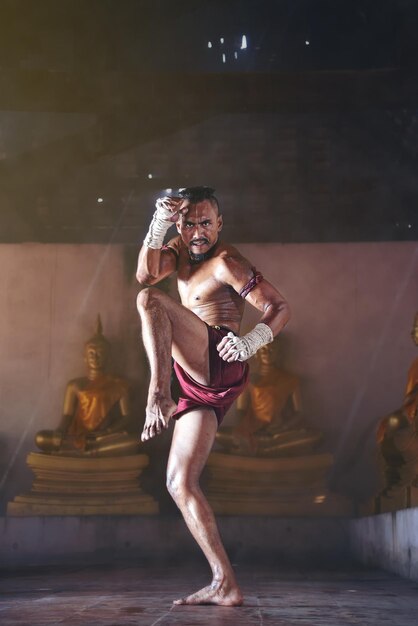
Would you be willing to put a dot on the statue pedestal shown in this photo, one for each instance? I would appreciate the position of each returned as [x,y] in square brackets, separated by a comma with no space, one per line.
[66,485]
[397,499]
[285,487]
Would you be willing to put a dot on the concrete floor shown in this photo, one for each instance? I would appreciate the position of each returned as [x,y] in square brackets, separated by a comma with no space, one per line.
[119,595]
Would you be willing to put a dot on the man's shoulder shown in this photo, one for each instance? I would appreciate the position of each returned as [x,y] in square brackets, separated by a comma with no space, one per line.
[227,254]
[230,263]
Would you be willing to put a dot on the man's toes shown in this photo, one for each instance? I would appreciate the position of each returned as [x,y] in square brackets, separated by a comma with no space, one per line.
[145,434]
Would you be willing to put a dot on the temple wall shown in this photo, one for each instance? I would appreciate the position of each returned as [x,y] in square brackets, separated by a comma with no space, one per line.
[348,340]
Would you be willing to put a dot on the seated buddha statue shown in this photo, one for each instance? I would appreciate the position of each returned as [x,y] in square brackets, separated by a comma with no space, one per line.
[95,420]
[397,434]
[269,413]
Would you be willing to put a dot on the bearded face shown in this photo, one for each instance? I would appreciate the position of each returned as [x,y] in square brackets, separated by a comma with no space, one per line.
[199,229]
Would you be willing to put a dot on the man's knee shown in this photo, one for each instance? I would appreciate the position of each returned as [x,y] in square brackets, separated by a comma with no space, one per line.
[148,298]
[177,486]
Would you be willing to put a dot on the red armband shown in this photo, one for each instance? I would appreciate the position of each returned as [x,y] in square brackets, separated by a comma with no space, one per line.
[255,280]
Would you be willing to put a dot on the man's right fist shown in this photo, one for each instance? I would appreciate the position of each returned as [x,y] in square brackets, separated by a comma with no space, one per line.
[169,208]
[168,211]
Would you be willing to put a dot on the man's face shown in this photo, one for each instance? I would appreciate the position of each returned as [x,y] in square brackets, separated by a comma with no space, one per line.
[199,228]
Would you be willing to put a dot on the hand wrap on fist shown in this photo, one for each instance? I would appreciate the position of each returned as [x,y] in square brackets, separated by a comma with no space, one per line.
[161,222]
[242,348]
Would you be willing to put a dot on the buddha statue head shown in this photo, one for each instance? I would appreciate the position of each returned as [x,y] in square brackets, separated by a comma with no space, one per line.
[266,356]
[414,332]
[97,349]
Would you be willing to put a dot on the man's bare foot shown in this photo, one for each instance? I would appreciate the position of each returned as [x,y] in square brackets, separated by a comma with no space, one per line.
[219,592]
[158,413]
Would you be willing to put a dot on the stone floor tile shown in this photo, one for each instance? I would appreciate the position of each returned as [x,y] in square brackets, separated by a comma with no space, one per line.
[125,596]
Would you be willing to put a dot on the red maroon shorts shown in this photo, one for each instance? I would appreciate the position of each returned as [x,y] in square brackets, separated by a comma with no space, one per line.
[227,381]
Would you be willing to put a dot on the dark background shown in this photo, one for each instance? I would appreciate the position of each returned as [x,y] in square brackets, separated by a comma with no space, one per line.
[309,133]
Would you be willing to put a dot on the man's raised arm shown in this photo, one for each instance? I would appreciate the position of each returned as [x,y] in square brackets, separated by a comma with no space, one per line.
[155,263]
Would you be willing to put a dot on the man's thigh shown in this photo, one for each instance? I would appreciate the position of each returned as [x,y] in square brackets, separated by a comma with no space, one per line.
[190,341]
[193,437]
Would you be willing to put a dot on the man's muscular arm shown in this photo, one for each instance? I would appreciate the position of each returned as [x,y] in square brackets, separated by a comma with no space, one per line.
[155,263]
[236,272]
[269,300]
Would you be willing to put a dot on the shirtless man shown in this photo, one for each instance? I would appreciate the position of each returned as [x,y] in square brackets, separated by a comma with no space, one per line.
[202,336]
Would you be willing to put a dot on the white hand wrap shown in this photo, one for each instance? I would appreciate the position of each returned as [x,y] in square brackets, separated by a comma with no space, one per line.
[246,346]
[160,224]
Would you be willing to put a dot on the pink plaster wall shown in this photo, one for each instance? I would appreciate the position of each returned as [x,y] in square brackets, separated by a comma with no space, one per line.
[348,339]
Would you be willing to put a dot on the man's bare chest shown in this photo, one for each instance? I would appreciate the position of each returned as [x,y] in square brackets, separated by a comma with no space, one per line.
[199,286]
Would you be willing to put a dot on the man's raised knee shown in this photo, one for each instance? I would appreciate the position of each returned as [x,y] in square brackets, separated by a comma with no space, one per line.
[147,298]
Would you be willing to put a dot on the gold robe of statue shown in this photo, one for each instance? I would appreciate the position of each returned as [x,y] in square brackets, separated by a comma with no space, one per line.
[411,392]
[93,402]
[269,396]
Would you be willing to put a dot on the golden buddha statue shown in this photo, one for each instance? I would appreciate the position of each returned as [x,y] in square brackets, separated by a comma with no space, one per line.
[397,434]
[410,403]
[270,415]
[95,420]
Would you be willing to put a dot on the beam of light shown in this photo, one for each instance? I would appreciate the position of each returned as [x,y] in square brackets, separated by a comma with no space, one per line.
[105,254]
[243,42]
[38,404]
[9,466]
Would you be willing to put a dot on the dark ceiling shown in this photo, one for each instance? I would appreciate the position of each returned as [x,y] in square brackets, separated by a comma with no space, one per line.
[317,98]
[163,35]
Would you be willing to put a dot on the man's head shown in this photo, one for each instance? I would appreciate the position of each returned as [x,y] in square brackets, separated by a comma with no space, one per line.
[199,227]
